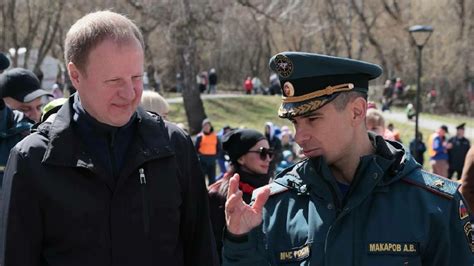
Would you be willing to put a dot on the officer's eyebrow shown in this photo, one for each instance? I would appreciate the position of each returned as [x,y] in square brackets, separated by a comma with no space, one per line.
[310,114]
[313,113]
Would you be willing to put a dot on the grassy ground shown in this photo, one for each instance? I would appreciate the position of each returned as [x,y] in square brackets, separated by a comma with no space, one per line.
[249,112]
[254,111]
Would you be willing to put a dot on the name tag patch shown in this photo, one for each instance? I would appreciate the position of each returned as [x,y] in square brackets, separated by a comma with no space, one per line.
[294,255]
[393,248]
[469,235]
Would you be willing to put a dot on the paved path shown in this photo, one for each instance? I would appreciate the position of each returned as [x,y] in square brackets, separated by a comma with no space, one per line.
[207,96]
[430,123]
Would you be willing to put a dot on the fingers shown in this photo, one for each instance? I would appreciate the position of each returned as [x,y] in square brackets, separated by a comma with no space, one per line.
[233,202]
[261,199]
[226,175]
[234,195]
[233,185]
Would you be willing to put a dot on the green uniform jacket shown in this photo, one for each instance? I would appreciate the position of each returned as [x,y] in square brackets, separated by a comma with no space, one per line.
[393,214]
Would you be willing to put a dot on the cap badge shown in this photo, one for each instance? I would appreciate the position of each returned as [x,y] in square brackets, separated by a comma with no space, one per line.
[288,89]
[284,66]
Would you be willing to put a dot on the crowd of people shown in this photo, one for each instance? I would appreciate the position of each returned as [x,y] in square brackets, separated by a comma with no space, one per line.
[446,155]
[255,86]
[94,179]
[393,89]
[206,81]
[214,158]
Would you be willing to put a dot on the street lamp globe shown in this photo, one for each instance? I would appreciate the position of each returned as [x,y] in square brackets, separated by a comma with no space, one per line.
[420,34]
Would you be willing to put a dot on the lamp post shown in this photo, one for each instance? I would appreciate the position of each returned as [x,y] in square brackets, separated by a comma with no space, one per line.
[419,35]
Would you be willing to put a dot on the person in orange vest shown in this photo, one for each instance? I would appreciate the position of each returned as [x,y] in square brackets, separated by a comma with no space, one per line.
[437,150]
[208,147]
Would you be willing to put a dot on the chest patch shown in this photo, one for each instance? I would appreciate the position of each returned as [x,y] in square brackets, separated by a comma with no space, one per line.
[393,248]
[463,213]
[294,255]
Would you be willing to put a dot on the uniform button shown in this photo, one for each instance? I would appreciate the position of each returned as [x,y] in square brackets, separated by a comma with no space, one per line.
[376,175]
[346,209]
[330,206]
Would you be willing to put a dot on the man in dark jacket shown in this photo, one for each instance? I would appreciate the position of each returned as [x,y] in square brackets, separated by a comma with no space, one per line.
[99,183]
[457,149]
[14,125]
[22,91]
[212,81]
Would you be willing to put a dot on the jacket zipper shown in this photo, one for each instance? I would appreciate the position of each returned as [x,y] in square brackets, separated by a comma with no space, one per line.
[337,205]
[146,216]
[115,178]
[113,160]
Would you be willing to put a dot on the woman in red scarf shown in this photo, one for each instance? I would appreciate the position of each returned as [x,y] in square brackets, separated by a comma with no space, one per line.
[249,155]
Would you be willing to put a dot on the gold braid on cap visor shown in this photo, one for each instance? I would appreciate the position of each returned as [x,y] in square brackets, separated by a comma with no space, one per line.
[329,90]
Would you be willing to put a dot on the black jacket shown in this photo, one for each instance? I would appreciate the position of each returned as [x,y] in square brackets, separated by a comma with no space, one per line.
[62,208]
[14,126]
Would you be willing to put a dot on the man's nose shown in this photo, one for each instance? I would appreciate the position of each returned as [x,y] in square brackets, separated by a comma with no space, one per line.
[128,90]
[301,135]
[34,115]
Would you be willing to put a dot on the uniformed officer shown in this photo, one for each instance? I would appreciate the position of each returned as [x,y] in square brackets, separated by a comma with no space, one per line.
[458,146]
[357,199]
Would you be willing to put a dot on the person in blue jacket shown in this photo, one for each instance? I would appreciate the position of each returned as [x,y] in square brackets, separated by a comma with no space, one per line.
[357,199]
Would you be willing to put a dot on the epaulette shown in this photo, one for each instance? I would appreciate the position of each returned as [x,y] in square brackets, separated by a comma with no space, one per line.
[287,180]
[433,183]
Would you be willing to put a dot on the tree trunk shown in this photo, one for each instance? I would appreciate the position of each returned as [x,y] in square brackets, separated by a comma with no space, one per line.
[187,51]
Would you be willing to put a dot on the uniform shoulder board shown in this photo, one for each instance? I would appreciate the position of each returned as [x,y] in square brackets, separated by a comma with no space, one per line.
[275,188]
[287,180]
[433,183]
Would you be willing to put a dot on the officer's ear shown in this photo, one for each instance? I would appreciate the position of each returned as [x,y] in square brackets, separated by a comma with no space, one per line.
[358,111]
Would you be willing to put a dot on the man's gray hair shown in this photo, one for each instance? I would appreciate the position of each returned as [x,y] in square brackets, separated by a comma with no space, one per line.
[90,30]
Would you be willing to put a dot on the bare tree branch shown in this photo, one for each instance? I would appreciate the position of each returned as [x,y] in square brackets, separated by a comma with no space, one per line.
[247,3]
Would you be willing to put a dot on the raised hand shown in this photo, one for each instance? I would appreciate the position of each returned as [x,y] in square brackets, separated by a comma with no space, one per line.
[241,217]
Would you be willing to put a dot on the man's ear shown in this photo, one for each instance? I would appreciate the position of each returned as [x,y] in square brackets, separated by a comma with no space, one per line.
[359,110]
[74,74]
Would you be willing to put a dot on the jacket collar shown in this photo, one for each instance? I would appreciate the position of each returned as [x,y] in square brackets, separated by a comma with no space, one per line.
[151,141]
[385,166]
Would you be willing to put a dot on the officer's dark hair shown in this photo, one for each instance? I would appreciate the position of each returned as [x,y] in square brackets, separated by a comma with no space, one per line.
[343,98]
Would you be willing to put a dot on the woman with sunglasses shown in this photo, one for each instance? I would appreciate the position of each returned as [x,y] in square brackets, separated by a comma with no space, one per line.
[249,155]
